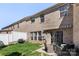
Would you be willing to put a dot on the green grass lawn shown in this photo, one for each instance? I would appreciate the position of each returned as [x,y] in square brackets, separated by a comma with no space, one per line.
[21,49]
[25,49]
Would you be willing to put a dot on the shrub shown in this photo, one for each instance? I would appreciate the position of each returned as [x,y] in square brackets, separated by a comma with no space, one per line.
[2,45]
[21,41]
[77,51]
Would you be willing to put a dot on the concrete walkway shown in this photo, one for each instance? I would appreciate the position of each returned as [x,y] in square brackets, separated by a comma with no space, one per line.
[42,51]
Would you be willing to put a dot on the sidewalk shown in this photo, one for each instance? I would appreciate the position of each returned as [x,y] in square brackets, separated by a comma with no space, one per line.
[42,50]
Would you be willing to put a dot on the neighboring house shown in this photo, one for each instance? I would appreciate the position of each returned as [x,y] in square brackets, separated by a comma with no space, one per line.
[58,24]
[5,31]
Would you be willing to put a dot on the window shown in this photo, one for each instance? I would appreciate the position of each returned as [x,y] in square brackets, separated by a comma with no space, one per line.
[13,27]
[31,35]
[35,35]
[7,32]
[40,36]
[64,10]
[32,20]
[42,18]
[18,26]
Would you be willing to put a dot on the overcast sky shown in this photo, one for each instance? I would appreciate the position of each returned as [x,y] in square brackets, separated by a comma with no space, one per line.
[10,13]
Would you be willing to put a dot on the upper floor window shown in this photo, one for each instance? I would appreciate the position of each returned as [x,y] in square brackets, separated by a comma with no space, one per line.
[42,18]
[7,32]
[64,10]
[32,20]
[13,27]
[18,26]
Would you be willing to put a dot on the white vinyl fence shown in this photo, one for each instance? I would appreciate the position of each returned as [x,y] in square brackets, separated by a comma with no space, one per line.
[14,36]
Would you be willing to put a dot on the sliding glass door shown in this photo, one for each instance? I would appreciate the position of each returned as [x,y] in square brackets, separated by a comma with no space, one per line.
[59,37]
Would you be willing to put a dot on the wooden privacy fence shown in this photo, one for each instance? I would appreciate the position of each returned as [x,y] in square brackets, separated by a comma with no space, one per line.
[12,37]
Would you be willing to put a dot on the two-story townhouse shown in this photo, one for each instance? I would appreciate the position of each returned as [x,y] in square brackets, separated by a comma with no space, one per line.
[57,25]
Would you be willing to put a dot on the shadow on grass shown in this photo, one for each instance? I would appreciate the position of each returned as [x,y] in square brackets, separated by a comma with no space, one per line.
[14,54]
[2,45]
